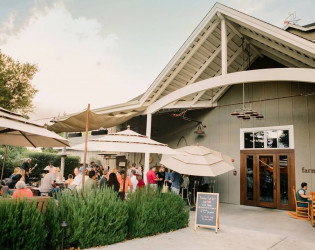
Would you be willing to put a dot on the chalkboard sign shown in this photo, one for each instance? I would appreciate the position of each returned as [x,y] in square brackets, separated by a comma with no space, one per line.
[207,210]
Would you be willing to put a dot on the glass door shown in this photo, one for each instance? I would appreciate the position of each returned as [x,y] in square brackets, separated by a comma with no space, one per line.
[283,191]
[267,169]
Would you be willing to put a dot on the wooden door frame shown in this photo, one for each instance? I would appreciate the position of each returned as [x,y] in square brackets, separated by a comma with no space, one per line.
[276,153]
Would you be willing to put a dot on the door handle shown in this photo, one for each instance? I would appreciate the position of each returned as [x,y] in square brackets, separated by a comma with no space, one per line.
[274,184]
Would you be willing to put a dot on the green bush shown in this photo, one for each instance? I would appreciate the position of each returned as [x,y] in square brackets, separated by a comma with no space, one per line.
[22,226]
[153,212]
[42,160]
[98,218]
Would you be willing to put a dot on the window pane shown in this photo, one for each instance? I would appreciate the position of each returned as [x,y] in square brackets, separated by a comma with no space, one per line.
[283,139]
[259,139]
[248,140]
[283,165]
[272,138]
[266,178]
[250,177]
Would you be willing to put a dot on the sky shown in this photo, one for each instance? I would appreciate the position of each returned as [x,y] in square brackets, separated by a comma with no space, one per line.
[106,52]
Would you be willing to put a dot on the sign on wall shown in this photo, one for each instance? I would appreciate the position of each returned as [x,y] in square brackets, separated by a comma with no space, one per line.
[207,210]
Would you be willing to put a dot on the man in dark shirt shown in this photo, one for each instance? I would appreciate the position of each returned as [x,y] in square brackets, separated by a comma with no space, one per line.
[27,167]
[161,176]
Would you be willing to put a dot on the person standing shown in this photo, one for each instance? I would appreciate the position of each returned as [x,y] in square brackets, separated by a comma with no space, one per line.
[26,166]
[128,182]
[91,183]
[177,180]
[151,177]
[113,182]
[49,166]
[133,179]
[161,176]
[140,183]
[103,179]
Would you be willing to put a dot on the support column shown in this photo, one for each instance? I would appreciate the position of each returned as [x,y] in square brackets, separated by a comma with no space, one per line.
[63,157]
[223,45]
[147,155]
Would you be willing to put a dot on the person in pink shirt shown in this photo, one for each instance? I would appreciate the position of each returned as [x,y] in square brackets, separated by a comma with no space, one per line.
[151,177]
[21,191]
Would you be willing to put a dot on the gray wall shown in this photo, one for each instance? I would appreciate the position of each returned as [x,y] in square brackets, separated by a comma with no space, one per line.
[223,130]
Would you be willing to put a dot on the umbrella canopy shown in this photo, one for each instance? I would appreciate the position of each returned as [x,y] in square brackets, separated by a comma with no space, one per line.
[77,122]
[17,131]
[126,141]
[198,161]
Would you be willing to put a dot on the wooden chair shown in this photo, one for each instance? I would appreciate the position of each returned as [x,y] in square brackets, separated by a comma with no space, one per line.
[41,202]
[301,212]
[312,194]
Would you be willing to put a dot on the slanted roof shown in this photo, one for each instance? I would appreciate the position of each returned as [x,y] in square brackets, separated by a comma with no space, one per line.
[200,57]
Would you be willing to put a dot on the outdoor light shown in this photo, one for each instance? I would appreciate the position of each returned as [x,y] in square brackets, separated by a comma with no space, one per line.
[235,113]
[246,117]
[240,116]
[199,130]
[63,226]
[249,112]
[260,116]
[254,114]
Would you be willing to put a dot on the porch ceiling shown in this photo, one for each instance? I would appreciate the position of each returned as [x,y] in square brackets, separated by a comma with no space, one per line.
[201,58]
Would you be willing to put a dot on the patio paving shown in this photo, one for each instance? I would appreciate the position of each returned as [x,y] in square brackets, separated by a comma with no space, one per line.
[241,227]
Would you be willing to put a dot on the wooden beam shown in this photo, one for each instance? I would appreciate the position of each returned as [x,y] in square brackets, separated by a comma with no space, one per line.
[231,26]
[284,50]
[185,60]
[260,75]
[280,55]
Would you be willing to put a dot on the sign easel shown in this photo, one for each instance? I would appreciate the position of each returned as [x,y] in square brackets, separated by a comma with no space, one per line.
[207,210]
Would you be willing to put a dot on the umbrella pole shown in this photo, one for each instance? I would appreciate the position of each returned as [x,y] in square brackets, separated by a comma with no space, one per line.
[4,158]
[85,147]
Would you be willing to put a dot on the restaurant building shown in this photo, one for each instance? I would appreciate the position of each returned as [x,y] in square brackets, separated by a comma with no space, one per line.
[245,88]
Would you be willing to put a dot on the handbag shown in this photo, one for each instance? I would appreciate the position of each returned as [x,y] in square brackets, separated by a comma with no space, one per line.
[165,188]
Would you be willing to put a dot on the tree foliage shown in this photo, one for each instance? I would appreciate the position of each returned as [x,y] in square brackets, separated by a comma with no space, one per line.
[16,90]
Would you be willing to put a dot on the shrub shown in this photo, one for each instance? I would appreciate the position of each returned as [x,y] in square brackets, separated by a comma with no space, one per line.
[42,160]
[153,212]
[96,219]
[22,226]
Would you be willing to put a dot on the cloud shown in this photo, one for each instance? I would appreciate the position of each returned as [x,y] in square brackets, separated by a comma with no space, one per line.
[77,63]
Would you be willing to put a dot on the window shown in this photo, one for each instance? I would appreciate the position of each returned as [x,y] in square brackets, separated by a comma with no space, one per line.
[267,137]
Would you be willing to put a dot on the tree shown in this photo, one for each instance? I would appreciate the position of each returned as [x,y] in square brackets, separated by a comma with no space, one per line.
[16,90]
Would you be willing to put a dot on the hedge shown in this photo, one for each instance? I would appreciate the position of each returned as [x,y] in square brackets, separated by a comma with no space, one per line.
[43,159]
[22,226]
[97,218]
[153,212]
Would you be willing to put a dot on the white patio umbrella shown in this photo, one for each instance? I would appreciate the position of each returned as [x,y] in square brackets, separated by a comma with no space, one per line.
[198,161]
[17,131]
[127,141]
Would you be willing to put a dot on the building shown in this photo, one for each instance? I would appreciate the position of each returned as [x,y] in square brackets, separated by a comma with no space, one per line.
[233,62]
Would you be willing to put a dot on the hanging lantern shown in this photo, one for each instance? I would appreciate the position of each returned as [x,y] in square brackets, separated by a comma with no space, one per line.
[246,117]
[235,113]
[249,112]
[260,116]
[199,130]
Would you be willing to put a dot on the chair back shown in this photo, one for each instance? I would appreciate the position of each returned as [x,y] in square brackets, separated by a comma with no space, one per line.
[294,195]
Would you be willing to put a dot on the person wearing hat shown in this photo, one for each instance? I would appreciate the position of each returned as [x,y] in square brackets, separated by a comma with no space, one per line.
[50,166]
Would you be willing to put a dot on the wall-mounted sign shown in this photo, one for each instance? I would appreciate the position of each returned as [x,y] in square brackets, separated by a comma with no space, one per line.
[207,210]
[308,171]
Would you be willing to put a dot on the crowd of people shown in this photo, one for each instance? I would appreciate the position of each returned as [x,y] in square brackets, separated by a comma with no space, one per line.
[96,176]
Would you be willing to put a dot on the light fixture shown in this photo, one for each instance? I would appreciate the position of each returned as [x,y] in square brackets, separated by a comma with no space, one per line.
[199,130]
[260,116]
[241,116]
[235,113]
[246,117]
[254,114]
[249,112]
